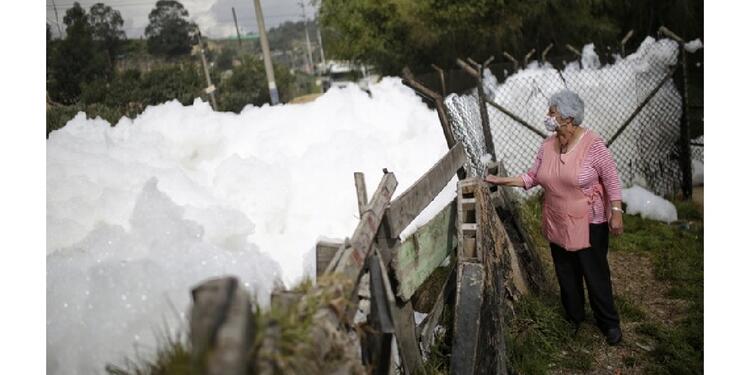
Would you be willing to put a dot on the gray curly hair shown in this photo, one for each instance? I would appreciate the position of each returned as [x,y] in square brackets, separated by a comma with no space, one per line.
[569,104]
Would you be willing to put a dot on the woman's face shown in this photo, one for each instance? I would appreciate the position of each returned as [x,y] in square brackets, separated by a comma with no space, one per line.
[566,129]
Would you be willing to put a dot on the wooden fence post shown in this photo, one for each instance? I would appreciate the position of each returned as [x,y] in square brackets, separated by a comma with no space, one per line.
[221,327]
[466,318]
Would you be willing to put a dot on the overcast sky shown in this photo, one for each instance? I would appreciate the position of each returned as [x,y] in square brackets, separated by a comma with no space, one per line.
[214,17]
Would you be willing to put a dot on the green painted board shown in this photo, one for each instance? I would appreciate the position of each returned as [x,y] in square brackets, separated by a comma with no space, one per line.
[417,256]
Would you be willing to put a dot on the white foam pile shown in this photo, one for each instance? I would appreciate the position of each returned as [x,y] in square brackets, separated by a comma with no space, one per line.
[693,45]
[648,205]
[697,166]
[697,161]
[138,213]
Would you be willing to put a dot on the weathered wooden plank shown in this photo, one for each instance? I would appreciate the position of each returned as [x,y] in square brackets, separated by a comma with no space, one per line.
[466,318]
[405,327]
[497,253]
[337,257]
[426,329]
[406,336]
[379,343]
[499,244]
[469,227]
[359,183]
[507,209]
[416,257]
[211,301]
[380,315]
[234,338]
[466,220]
[325,251]
[377,353]
[353,258]
[408,205]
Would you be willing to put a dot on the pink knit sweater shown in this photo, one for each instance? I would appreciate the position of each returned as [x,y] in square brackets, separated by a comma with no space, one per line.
[597,165]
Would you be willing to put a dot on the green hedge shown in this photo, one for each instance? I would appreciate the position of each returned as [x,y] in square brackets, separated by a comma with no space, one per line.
[128,93]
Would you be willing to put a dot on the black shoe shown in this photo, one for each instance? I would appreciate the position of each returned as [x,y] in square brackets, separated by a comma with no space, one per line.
[576,328]
[614,336]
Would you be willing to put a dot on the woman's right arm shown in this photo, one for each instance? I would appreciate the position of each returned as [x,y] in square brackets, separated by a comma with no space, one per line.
[507,181]
[527,180]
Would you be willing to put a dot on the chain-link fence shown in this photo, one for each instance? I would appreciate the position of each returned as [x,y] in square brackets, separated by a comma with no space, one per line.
[466,124]
[696,149]
[634,104]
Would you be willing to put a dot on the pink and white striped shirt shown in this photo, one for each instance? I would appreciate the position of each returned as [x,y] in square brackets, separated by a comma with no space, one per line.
[597,165]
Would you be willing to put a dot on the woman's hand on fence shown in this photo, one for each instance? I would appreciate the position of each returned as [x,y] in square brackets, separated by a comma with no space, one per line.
[615,223]
[505,181]
[495,180]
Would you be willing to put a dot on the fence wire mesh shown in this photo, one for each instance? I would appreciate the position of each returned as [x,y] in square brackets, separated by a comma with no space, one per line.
[696,151]
[466,124]
[646,151]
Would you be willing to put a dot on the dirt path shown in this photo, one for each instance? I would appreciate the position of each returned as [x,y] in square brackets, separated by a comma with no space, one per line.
[698,196]
[633,281]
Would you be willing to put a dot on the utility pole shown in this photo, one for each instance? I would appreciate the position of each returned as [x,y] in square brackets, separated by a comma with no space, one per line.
[59,31]
[307,38]
[320,43]
[266,54]
[210,88]
[234,15]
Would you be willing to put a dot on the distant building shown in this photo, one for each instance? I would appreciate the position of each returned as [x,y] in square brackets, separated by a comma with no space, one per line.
[345,73]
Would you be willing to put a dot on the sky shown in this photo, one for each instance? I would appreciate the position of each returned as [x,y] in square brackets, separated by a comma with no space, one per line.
[214,17]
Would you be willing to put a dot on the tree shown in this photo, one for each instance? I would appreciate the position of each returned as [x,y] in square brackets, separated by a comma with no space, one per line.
[76,59]
[169,32]
[225,58]
[106,26]
[393,33]
[248,85]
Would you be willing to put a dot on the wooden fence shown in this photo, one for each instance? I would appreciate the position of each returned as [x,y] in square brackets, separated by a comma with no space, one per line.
[491,263]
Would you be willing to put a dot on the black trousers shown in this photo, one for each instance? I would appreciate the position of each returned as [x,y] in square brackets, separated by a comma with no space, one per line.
[589,265]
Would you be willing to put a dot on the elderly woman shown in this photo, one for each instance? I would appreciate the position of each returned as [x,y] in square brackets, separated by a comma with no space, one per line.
[582,206]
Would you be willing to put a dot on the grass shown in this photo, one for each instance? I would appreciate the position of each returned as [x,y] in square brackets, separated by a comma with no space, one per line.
[438,359]
[677,253]
[539,338]
[172,358]
[295,349]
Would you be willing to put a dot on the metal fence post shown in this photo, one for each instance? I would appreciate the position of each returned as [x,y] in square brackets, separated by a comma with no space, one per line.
[577,53]
[488,141]
[546,50]
[409,80]
[511,58]
[685,157]
[477,71]
[441,75]
[623,41]
[527,57]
